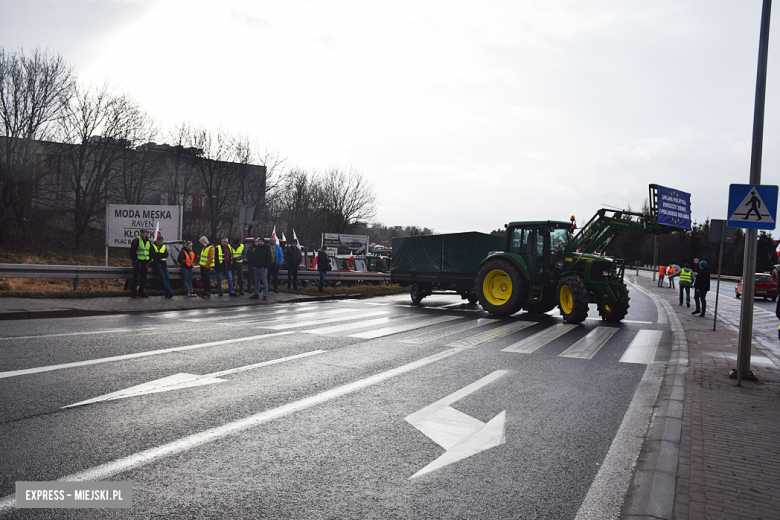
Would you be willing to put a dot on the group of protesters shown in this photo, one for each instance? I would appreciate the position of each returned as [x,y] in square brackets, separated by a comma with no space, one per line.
[700,282]
[263,258]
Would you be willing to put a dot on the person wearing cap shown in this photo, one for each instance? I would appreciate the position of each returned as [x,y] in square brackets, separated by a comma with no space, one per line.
[259,258]
[701,287]
[293,258]
[159,256]
[206,261]
[139,255]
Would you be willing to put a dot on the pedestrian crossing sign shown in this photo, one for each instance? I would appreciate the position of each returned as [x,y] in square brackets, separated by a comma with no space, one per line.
[752,206]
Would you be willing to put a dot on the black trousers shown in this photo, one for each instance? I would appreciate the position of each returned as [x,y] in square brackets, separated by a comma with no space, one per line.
[292,276]
[238,278]
[140,270]
[204,275]
[273,277]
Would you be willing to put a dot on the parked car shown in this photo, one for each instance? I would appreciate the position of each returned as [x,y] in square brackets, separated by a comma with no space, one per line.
[765,287]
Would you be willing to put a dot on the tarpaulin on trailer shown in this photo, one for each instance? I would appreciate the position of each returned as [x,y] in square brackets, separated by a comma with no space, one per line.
[451,253]
[420,253]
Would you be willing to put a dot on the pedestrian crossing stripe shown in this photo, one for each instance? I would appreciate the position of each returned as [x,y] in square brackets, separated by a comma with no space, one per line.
[752,206]
[540,339]
[590,344]
[491,335]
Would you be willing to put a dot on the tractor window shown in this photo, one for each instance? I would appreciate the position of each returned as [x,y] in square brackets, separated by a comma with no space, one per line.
[517,240]
[559,238]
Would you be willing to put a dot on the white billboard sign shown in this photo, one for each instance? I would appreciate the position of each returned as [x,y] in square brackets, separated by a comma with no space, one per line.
[337,243]
[125,221]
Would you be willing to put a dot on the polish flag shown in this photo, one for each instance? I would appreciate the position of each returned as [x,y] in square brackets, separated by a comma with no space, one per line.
[295,237]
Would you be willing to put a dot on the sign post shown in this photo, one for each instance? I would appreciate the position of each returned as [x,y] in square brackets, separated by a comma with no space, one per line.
[751,237]
[719,233]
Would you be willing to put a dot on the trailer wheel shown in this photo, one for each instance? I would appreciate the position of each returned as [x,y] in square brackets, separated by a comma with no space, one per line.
[573,299]
[472,298]
[416,293]
[501,288]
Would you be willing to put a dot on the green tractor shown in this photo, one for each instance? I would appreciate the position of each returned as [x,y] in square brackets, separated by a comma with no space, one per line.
[543,265]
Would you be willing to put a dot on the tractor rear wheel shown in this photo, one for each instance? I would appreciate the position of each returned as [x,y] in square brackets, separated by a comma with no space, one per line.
[541,307]
[572,299]
[501,288]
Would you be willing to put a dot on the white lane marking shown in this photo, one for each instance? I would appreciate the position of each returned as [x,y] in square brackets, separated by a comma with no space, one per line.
[264,316]
[606,494]
[387,331]
[107,331]
[433,335]
[540,339]
[26,371]
[460,434]
[189,442]
[350,326]
[642,348]
[624,321]
[287,324]
[491,335]
[183,380]
[587,346]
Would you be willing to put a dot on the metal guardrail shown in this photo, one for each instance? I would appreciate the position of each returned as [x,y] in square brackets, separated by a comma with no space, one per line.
[714,276]
[97,272]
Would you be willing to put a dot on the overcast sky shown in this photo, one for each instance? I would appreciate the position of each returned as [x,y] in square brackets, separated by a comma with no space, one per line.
[465,115]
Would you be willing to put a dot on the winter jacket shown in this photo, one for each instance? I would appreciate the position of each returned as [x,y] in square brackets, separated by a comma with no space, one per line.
[222,258]
[685,273]
[702,283]
[279,254]
[182,259]
[293,256]
[323,262]
[159,256]
[259,256]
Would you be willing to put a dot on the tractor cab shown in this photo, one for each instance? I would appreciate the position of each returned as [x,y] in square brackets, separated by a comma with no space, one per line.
[543,247]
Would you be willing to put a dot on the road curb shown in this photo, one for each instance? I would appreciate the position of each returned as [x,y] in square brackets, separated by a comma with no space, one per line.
[653,488]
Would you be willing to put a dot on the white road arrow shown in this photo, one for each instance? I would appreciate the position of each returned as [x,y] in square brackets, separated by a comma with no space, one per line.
[177,381]
[460,434]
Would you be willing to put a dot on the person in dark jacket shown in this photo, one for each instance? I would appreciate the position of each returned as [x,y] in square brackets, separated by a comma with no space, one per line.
[701,286]
[259,258]
[292,256]
[160,265]
[323,266]
[139,255]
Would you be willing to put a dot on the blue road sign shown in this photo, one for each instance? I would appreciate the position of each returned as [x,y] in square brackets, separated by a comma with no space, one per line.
[752,206]
[674,207]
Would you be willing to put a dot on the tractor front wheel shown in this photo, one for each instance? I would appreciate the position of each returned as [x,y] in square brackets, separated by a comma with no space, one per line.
[572,299]
[501,288]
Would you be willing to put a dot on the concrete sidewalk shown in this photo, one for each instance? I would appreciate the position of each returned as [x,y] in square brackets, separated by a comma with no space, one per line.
[26,308]
[711,451]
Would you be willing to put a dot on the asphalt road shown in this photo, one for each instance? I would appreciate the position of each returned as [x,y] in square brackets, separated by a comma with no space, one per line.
[358,409]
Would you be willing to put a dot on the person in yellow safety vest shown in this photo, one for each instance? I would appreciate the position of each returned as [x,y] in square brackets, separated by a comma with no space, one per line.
[686,282]
[237,266]
[222,265]
[670,271]
[206,261]
[159,256]
[139,255]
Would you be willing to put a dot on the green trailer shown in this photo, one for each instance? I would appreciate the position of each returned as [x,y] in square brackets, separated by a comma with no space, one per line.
[448,262]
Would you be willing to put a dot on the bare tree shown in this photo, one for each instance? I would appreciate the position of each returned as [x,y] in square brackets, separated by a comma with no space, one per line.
[217,178]
[347,201]
[94,136]
[34,89]
[297,204]
[137,179]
